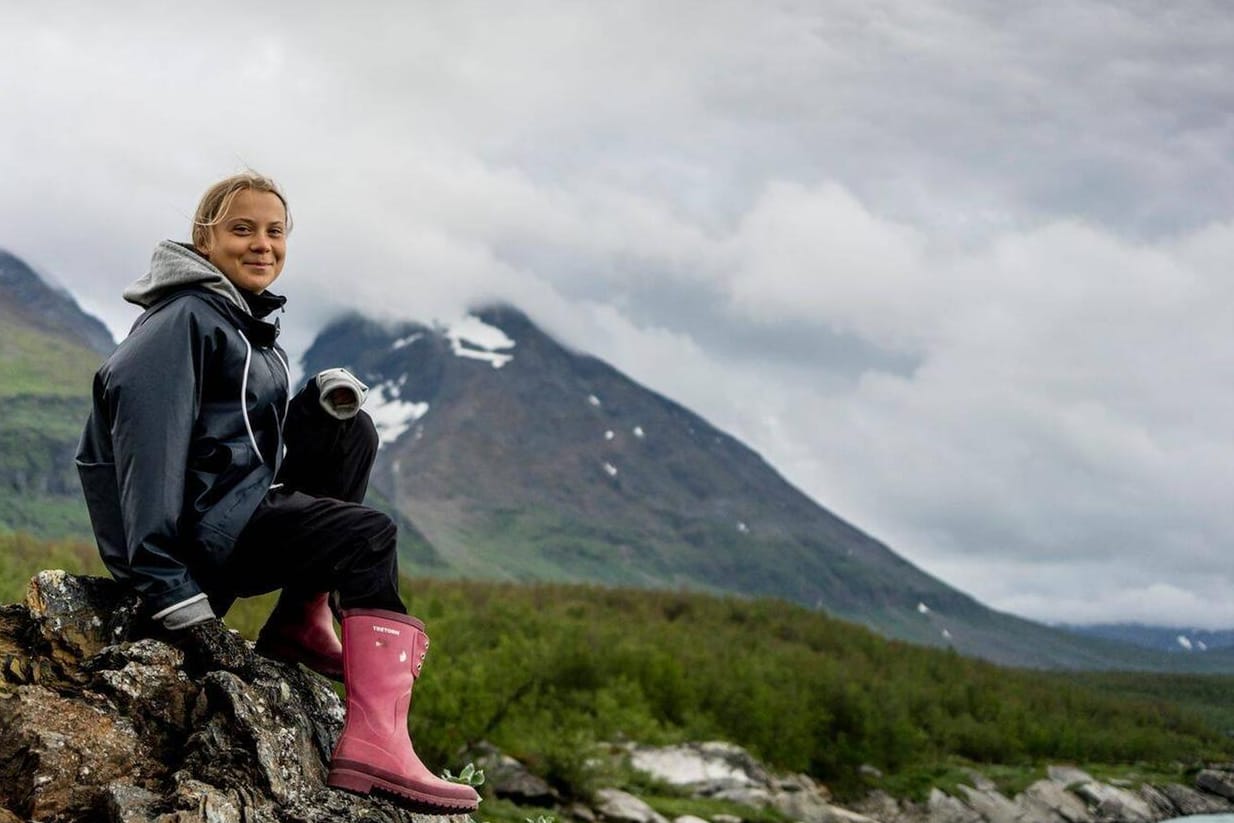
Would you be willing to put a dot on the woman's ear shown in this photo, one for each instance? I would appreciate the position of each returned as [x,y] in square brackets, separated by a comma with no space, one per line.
[203,248]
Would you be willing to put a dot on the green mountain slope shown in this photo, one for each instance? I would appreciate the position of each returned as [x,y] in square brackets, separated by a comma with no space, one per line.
[49,351]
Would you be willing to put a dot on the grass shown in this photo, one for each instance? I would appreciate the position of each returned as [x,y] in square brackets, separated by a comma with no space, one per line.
[36,363]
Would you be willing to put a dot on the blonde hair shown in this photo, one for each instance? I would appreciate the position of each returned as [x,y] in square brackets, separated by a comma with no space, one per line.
[218,198]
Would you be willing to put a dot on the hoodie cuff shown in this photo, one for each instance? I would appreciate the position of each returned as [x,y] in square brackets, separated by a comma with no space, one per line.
[340,393]
[186,613]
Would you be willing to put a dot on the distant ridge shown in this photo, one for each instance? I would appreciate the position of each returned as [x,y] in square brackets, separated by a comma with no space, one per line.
[32,300]
[1163,638]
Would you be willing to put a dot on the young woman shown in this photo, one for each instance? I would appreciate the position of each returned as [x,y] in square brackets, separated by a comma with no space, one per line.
[206,480]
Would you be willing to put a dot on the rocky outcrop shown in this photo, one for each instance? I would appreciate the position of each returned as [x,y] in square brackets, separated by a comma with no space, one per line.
[1068,795]
[100,725]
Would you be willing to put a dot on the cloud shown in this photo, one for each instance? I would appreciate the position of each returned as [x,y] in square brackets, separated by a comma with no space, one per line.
[956,269]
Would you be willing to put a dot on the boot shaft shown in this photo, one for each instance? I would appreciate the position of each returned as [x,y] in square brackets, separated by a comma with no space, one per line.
[383,653]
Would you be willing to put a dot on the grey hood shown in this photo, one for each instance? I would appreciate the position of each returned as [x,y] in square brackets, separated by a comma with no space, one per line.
[175,266]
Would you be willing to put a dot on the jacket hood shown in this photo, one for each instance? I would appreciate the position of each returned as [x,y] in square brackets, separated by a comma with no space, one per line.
[176,266]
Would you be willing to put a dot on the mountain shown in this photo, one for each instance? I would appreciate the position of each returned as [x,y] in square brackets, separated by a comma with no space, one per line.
[49,350]
[520,459]
[1163,638]
[49,310]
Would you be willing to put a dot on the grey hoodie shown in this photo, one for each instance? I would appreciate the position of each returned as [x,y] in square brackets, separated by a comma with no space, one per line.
[177,265]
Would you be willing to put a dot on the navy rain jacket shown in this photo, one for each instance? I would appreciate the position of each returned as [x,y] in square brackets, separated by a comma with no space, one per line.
[186,431]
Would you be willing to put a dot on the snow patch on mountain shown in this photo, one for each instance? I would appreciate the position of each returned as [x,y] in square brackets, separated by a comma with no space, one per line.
[471,337]
[391,414]
[610,469]
[923,608]
[639,433]
[406,341]
[1185,642]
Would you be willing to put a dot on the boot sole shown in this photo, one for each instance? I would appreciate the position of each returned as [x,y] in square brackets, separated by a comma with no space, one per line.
[363,783]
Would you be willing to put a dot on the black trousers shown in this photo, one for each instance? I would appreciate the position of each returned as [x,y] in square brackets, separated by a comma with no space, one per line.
[311,533]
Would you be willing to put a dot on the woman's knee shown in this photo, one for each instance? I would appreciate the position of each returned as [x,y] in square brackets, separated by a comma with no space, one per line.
[364,435]
[378,528]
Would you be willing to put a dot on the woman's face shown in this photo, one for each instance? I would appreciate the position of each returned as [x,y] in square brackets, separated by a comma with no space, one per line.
[249,243]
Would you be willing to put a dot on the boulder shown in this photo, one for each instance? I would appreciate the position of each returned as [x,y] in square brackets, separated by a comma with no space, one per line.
[943,808]
[1050,802]
[1216,781]
[1068,775]
[621,807]
[990,804]
[703,768]
[104,724]
[510,780]
[1186,801]
[1112,803]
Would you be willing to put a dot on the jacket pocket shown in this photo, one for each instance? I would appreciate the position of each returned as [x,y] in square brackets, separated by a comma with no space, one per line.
[218,528]
[215,468]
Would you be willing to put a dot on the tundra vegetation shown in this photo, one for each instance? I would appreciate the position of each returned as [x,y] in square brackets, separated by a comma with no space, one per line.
[549,673]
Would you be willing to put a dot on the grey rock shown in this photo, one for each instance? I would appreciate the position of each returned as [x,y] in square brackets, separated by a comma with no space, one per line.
[1218,782]
[1158,802]
[1068,775]
[126,803]
[809,806]
[75,617]
[688,818]
[1187,801]
[756,797]
[1112,803]
[621,807]
[725,818]
[990,805]
[705,768]
[801,783]
[882,806]
[944,808]
[1050,802]
[509,779]
[61,753]
[577,811]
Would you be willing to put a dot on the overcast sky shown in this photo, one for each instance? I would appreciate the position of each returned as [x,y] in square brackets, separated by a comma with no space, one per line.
[959,270]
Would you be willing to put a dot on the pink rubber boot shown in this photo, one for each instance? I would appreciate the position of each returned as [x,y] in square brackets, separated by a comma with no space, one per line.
[382,655]
[302,631]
